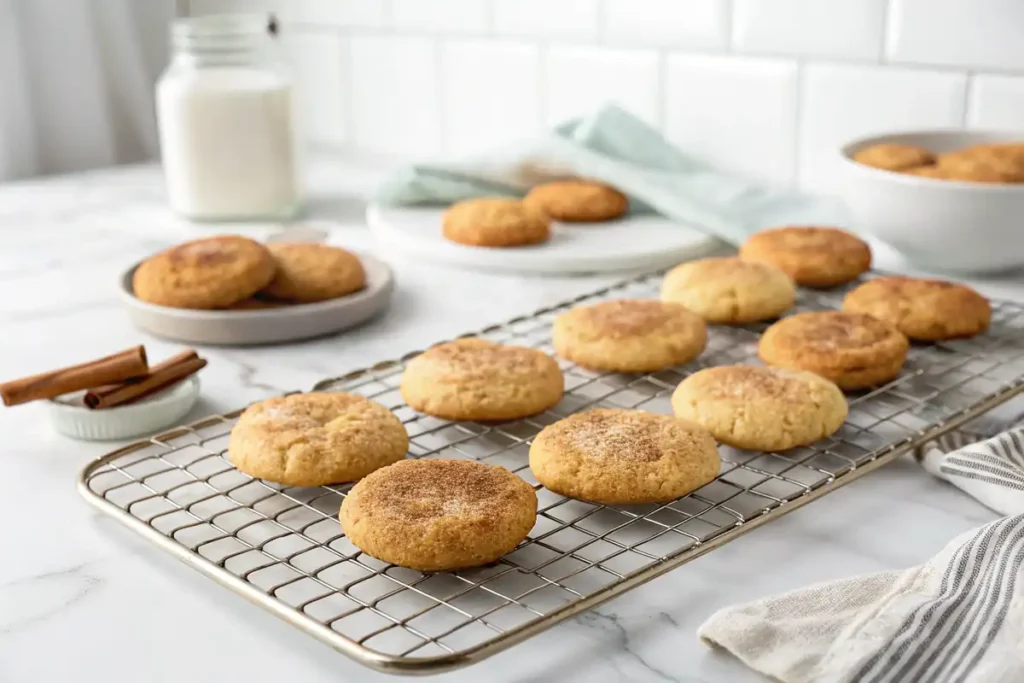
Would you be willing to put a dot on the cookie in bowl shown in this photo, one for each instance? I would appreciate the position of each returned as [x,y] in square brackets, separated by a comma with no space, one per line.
[894,157]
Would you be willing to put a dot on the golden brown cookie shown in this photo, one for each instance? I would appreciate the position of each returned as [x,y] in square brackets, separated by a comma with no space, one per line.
[730,290]
[928,172]
[578,201]
[629,335]
[495,222]
[761,409]
[812,256]
[622,457]
[439,515]
[315,439]
[983,165]
[308,272]
[851,349]
[475,379]
[926,310]
[894,157]
[214,272]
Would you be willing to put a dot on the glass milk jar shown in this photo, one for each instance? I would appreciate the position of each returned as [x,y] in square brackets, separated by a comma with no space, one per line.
[225,114]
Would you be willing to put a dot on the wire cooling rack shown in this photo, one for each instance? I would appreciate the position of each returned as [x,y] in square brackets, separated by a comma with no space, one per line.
[283,548]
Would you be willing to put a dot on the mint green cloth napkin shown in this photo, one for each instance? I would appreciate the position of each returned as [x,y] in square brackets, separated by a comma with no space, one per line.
[615,147]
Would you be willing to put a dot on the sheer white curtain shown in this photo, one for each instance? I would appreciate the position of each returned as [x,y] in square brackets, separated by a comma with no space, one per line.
[76,83]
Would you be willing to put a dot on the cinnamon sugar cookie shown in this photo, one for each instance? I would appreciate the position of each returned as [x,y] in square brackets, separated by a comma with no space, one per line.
[761,409]
[629,335]
[309,272]
[578,201]
[495,222]
[315,439]
[812,256]
[894,157]
[623,457]
[983,164]
[439,515]
[851,349]
[475,379]
[730,290]
[214,272]
[926,310]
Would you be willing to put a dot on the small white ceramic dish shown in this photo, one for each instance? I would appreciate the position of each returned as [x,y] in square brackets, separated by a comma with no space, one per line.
[632,242]
[267,325]
[151,414]
[937,224]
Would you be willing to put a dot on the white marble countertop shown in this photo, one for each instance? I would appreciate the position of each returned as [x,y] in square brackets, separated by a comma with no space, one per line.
[83,599]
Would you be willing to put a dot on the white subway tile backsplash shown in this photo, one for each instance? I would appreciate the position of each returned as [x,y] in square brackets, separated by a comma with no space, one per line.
[455,16]
[848,29]
[573,19]
[968,33]
[317,63]
[737,113]
[491,93]
[997,102]
[200,7]
[395,100]
[840,103]
[339,13]
[676,23]
[577,80]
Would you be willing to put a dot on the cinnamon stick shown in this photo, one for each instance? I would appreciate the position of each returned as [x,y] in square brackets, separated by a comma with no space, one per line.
[116,368]
[161,376]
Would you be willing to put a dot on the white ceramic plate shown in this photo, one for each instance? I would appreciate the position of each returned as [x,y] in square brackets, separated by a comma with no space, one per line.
[633,242]
[263,326]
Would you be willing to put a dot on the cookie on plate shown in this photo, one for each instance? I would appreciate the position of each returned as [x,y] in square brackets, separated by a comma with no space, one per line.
[315,439]
[439,515]
[922,309]
[573,201]
[812,256]
[308,272]
[622,457]
[730,290]
[476,379]
[209,273]
[761,409]
[894,157]
[851,349]
[629,335]
[495,222]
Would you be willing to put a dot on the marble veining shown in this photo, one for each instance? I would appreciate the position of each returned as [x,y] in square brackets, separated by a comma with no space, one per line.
[83,599]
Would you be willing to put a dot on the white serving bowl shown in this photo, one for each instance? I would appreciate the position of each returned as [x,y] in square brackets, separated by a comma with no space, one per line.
[937,224]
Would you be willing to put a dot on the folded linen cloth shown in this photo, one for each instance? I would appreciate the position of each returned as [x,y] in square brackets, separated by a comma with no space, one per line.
[957,618]
[613,146]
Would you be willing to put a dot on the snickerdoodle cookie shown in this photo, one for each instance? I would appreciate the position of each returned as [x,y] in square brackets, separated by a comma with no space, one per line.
[578,200]
[812,256]
[983,164]
[730,290]
[894,157]
[629,335]
[308,272]
[315,439]
[214,272]
[851,349]
[926,310]
[495,222]
[439,515]
[762,409]
[475,379]
[928,172]
[623,457]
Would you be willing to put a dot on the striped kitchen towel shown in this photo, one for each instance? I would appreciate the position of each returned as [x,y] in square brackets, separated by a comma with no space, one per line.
[958,618]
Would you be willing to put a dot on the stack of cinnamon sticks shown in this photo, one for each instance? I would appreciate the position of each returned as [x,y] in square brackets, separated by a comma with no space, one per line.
[109,382]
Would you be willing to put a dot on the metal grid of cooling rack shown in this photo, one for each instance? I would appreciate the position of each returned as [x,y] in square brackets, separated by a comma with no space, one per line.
[283,547]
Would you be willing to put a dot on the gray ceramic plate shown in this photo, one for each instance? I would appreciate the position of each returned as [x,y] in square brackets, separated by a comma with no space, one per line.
[263,326]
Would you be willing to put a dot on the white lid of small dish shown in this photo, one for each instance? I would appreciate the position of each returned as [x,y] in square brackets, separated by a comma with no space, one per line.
[163,409]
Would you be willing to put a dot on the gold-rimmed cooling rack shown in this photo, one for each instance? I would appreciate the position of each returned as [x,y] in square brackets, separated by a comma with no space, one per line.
[283,549]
